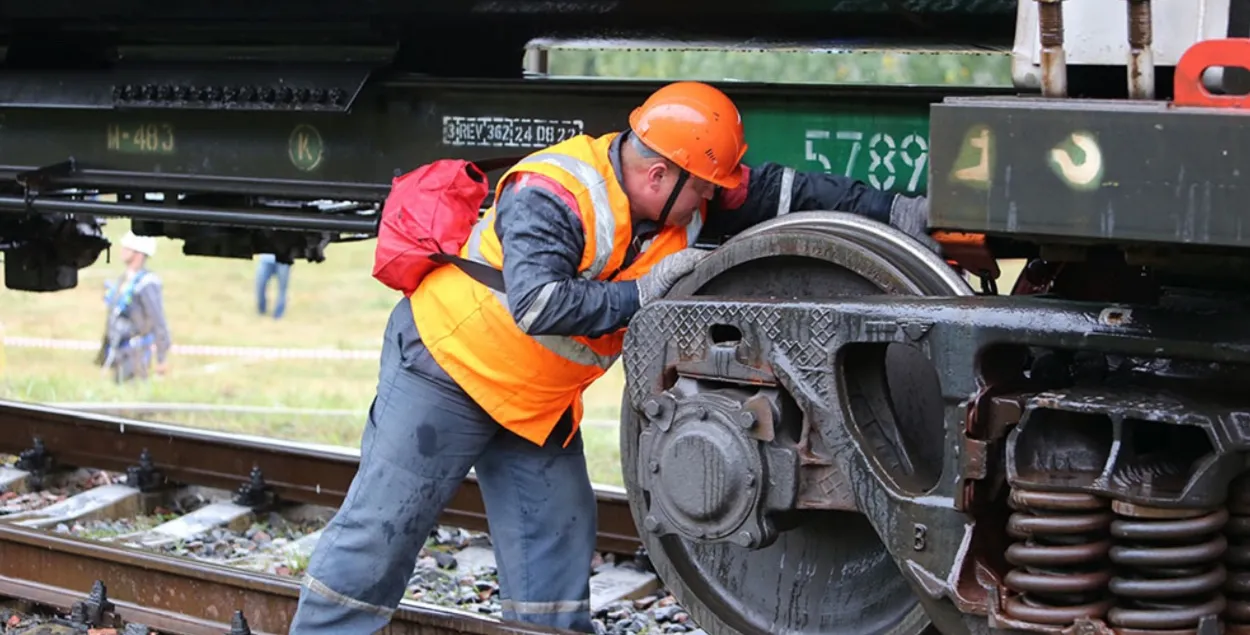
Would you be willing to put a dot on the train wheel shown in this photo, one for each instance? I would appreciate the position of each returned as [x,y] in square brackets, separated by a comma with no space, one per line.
[827,571]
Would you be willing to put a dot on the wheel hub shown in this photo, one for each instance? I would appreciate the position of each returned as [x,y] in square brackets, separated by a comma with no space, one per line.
[706,466]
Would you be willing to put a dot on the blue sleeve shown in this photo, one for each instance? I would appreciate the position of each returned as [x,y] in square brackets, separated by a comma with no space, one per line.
[542,242]
[808,191]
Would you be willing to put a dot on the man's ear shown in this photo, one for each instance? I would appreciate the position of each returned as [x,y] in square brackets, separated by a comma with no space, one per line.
[655,175]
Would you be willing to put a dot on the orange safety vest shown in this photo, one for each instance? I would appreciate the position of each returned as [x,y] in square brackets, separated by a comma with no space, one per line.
[526,382]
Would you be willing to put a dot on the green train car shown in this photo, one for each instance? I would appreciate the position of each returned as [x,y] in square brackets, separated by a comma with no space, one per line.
[1058,453]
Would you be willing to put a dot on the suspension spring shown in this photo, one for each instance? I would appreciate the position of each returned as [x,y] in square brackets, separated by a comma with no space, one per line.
[1237,558]
[1169,567]
[1061,568]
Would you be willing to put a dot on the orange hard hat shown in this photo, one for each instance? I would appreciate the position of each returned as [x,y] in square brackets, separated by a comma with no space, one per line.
[695,126]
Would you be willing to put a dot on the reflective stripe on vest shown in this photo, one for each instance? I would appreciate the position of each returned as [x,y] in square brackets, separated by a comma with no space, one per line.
[605,222]
[605,234]
[527,381]
[605,230]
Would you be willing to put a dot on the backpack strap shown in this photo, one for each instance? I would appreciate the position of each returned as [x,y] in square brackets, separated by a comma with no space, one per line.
[483,273]
[495,163]
[125,293]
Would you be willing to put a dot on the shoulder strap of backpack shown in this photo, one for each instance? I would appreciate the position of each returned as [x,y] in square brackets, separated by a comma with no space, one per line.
[495,163]
[483,273]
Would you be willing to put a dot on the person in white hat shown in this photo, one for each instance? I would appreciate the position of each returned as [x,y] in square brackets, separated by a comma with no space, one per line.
[136,329]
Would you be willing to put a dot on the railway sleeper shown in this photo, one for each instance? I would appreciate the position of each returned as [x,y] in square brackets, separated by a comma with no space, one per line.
[95,504]
[84,495]
[173,519]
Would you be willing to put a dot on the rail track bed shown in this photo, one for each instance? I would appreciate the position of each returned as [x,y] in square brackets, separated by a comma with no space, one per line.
[178,529]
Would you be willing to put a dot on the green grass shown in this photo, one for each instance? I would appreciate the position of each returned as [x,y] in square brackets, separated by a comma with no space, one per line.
[209,301]
[136,524]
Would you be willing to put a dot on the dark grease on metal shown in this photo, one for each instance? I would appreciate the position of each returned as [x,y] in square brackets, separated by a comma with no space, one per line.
[840,552]
[1156,449]
[1157,444]
[708,476]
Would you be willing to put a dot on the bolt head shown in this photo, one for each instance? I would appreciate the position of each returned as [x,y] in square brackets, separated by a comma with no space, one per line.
[746,419]
[654,466]
[651,524]
[651,408]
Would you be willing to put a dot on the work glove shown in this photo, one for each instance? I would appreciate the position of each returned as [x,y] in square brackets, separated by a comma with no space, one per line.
[911,216]
[655,283]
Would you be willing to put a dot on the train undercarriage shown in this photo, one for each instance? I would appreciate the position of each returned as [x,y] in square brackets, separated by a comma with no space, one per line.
[828,427]
[806,451]
[912,455]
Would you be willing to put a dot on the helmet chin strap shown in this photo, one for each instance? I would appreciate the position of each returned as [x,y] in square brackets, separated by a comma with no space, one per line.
[682,177]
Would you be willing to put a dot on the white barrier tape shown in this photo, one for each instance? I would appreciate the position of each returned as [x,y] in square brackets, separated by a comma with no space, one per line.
[166,407]
[153,407]
[202,351]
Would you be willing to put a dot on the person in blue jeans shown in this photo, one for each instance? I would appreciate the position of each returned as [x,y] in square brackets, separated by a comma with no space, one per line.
[266,269]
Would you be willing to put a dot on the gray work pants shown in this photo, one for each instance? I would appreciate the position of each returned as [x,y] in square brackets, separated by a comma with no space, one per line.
[422,435]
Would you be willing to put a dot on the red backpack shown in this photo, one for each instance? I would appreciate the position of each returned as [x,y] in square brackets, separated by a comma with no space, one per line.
[428,216]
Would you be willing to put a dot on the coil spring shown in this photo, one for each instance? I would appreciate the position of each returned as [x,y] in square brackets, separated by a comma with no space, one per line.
[1237,558]
[1061,569]
[1168,564]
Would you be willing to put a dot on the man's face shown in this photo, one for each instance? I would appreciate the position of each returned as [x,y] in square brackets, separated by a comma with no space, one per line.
[129,256]
[662,178]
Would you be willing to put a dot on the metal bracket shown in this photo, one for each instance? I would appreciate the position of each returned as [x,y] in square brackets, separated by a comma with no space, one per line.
[97,611]
[1187,86]
[37,462]
[32,180]
[238,625]
[989,286]
[144,476]
[255,493]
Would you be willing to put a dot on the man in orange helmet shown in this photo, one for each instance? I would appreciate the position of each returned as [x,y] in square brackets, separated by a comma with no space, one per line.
[585,232]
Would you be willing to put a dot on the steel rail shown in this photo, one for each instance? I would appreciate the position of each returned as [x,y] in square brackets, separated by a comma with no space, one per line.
[297,472]
[187,597]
